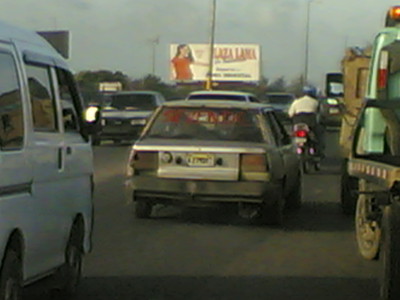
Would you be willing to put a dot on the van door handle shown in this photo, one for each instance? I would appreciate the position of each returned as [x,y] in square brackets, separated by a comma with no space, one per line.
[60,158]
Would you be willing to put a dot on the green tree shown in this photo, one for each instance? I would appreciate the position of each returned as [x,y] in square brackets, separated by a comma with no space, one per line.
[279,85]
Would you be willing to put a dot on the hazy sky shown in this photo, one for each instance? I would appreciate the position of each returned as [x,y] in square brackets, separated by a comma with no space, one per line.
[116,35]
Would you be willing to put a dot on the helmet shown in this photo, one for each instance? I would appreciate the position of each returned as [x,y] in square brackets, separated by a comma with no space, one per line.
[310,91]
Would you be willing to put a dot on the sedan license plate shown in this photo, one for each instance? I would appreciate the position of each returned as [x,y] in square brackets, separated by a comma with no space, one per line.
[300,140]
[200,160]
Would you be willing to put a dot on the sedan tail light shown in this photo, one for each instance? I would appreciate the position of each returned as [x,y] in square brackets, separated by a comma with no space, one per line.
[253,163]
[142,161]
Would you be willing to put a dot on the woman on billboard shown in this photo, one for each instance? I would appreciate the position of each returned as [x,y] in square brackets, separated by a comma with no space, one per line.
[180,64]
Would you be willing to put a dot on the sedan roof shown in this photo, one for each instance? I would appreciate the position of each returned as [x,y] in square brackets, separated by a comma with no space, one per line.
[218,103]
[221,92]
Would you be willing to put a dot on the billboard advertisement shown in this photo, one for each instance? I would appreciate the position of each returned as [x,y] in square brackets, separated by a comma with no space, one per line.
[231,62]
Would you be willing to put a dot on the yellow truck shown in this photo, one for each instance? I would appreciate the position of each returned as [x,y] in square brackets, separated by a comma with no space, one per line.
[371,147]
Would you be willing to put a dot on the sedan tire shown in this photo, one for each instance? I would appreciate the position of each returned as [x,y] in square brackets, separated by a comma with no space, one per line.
[143,209]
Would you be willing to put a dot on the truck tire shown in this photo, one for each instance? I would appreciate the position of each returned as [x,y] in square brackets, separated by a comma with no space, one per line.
[368,231]
[390,254]
[11,276]
[348,188]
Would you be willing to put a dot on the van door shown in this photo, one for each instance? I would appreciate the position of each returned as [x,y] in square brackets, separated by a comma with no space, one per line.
[47,155]
[16,171]
[77,151]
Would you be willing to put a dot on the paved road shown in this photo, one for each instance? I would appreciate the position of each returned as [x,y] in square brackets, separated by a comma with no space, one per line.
[212,254]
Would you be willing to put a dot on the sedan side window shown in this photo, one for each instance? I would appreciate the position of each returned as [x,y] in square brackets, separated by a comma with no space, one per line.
[280,134]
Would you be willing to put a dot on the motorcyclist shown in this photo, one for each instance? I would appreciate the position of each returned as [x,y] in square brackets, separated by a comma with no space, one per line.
[306,110]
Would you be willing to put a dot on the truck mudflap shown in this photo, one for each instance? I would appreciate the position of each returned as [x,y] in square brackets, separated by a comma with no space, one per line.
[380,174]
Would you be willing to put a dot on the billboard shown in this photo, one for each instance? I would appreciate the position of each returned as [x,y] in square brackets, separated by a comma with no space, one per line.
[231,62]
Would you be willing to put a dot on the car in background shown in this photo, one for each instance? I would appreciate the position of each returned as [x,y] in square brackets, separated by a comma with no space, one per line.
[206,153]
[281,102]
[126,114]
[331,112]
[222,95]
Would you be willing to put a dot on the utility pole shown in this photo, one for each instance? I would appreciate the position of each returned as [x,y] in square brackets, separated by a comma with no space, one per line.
[209,80]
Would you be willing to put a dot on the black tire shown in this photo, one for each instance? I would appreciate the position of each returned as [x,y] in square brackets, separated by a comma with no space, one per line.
[390,255]
[348,188]
[11,276]
[143,209]
[295,198]
[69,275]
[96,142]
[273,214]
[368,231]
[306,165]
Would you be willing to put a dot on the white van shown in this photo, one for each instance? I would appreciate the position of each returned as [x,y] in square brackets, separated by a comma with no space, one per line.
[46,170]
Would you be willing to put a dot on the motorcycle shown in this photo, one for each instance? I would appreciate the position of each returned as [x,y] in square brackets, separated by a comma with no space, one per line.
[306,147]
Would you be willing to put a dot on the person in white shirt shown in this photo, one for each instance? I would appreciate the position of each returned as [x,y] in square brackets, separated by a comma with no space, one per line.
[305,110]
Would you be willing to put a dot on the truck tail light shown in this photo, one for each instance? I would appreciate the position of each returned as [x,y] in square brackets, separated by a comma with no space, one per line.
[253,163]
[394,13]
[142,161]
[383,70]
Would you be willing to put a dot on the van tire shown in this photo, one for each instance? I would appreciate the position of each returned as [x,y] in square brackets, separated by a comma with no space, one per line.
[11,276]
[69,275]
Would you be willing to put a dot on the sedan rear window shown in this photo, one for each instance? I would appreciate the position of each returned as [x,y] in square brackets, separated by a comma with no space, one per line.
[207,124]
[133,101]
[217,97]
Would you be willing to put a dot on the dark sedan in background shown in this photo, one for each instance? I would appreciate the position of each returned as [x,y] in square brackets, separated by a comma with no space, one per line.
[125,115]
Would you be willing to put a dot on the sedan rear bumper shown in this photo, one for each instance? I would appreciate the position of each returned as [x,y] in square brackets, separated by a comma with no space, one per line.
[200,192]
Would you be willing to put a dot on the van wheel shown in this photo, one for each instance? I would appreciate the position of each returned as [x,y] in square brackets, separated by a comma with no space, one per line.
[11,277]
[143,209]
[69,275]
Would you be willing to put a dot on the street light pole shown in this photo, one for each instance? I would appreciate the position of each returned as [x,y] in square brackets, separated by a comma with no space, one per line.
[154,43]
[307,42]
[212,38]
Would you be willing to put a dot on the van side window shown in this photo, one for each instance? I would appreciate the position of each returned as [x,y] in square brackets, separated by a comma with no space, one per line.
[43,105]
[67,93]
[11,112]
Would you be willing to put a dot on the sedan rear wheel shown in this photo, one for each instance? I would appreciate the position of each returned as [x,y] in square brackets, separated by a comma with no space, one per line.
[273,214]
[143,209]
